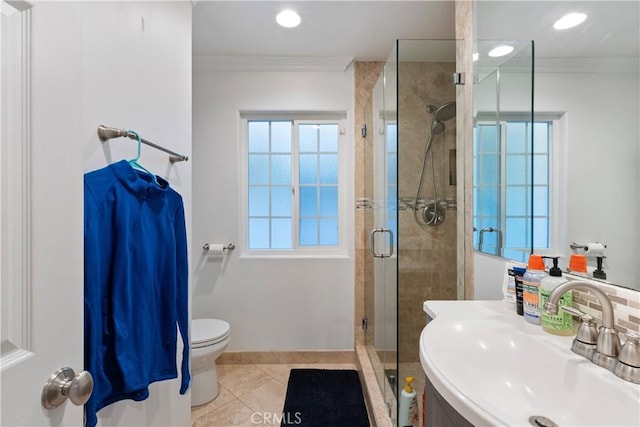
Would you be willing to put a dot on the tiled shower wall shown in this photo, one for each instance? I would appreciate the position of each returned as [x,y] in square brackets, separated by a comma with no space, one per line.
[366,75]
[427,255]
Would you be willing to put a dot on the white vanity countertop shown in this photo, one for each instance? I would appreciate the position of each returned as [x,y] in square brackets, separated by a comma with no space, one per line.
[495,368]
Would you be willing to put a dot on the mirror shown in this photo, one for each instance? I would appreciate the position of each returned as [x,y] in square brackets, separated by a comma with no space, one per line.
[502,169]
[586,99]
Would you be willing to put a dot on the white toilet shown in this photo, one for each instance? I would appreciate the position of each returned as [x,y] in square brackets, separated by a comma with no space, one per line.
[209,338]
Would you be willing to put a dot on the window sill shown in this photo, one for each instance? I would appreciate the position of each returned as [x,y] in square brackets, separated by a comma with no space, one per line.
[294,255]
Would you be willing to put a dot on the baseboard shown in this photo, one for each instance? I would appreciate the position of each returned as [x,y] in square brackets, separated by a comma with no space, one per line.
[285,357]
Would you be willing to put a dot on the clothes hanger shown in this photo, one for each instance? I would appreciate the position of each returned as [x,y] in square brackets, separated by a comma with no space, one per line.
[134,162]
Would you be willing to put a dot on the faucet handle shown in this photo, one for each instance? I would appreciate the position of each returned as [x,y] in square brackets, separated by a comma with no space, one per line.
[585,317]
[628,366]
[630,351]
[587,337]
[588,331]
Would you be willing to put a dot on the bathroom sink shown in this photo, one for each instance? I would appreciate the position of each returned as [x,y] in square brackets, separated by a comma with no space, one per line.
[494,368]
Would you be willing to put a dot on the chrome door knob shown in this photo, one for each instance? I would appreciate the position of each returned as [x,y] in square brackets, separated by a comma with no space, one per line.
[63,384]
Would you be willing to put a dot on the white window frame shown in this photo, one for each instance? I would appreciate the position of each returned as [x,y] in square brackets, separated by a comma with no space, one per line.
[345,184]
[557,182]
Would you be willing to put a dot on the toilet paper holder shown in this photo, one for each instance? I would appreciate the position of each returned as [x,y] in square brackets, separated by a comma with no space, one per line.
[584,247]
[227,248]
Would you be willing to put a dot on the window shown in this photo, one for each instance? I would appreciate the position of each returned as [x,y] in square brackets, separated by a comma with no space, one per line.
[508,206]
[391,135]
[293,184]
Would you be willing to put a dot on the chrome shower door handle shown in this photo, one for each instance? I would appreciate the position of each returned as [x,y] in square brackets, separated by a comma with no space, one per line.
[372,240]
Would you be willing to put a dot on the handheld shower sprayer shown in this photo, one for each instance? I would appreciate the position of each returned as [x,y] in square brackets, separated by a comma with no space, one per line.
[433,213]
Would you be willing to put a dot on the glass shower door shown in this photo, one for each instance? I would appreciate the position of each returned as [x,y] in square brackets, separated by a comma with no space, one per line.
[381,265]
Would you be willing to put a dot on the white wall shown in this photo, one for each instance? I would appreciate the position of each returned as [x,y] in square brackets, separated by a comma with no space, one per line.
[116,72]
[488,275]
[272,304]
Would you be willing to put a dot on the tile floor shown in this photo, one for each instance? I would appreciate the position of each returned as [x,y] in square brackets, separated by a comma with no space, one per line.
[251,395]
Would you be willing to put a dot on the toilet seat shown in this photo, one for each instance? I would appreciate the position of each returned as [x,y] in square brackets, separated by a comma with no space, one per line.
[206,332]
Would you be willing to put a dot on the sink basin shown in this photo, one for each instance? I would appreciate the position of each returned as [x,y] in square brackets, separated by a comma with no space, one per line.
[494,368]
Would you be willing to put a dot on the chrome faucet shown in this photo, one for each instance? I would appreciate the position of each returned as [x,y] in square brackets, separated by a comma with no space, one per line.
[608,342]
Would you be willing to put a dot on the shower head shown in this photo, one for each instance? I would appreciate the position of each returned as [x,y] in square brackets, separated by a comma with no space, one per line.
[437,127]
[445,112]
[441,114]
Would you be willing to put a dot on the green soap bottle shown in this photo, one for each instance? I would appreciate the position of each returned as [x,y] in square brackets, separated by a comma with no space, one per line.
[561,323]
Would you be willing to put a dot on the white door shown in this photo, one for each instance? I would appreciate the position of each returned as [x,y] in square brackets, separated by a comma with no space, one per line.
[41,218]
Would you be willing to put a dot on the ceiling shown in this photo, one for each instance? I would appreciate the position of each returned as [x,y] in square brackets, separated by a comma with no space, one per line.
[612,28]
[367,30]
[364,30]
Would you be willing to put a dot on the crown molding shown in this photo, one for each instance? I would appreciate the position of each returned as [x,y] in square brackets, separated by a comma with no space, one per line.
[271,63]
[587,65]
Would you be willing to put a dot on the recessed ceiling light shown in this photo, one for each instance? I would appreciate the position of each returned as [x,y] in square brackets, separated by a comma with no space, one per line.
[500,51]
[569,20]
[288,18]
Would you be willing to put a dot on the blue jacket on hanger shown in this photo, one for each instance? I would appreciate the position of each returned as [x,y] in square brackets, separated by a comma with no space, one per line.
[135,284]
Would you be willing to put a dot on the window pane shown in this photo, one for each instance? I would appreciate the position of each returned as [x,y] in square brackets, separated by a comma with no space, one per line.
[517,137]
[308,168]
[258,137]
[281,137]
[392,138]
[540,169]
[516,202]
[541,138]
[328,201]
[258,169]
[488,139]
[516,169]
[489,199]
[540,201]
[308,201]
[308,135]
[476,205]
[258,201]
[516,232]
[476,168]
[308,232]
[489,241]
[392,165]
[281,201]
[392,200]
[489,170]
[329,168]
[329,232]
[328,137]
[281,169]
[540,233]
[281,233]
[258,233]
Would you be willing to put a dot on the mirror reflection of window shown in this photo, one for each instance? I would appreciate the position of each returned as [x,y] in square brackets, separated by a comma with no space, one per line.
[391,138]
[505,203]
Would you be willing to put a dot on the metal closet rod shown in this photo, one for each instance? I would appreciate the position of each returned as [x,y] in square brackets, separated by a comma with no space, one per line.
[106,132]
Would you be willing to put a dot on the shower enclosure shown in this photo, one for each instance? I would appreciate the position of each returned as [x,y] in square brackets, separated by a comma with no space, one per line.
[409,162]
[410,187]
